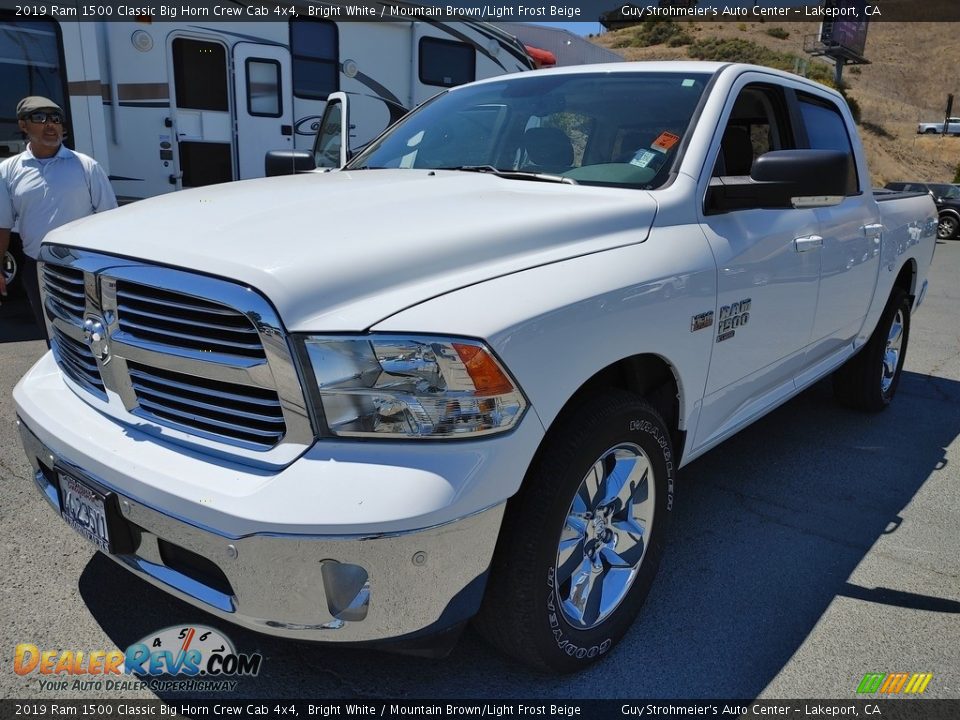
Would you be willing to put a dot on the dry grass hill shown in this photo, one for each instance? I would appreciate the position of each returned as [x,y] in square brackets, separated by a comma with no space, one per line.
[912,68]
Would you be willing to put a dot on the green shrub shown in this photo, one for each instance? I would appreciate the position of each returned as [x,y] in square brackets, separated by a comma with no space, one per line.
[876,129]
[746,51]
[660,32]
[778,32]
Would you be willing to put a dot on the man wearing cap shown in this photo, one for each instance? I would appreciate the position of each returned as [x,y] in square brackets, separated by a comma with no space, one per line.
[44,187]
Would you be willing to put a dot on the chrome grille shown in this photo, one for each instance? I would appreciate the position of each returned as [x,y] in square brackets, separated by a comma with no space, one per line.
[239,412]
[65,292]
[77,362]
[184,321]
[184,353]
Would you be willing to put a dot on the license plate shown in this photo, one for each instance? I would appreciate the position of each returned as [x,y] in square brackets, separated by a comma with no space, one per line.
[84,510]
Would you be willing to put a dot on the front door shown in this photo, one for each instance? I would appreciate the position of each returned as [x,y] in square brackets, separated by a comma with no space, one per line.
[202,121]
[768,271]
[263,89]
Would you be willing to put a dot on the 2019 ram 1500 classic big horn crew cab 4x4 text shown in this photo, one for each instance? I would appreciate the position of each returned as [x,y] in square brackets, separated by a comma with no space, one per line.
[462,373]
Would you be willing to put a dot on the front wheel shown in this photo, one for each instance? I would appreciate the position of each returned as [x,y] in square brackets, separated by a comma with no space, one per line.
[870,378]
[582,540]
[947,227]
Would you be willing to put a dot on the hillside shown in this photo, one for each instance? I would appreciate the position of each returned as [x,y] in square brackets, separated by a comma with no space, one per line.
[913,67]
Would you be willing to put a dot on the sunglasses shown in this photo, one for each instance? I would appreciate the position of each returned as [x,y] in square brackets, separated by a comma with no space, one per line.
[41,117]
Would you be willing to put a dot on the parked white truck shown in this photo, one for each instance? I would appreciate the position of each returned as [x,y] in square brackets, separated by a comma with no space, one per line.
[461,373]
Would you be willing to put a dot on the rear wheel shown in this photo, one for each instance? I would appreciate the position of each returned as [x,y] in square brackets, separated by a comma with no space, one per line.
[947,227]
[582,540]
[869,380]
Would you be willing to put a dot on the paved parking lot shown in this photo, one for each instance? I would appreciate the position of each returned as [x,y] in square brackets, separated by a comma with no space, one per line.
[812,548]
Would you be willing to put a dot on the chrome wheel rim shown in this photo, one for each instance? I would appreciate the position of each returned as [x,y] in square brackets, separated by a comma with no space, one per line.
[9,266]
[605,536]
[891,355]
[946,228]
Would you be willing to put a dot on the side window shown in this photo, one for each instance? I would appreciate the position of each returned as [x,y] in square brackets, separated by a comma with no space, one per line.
[758,124]
[30,64]
[446,63]
[314,45]
[326,149]
[826,131]
[263,88]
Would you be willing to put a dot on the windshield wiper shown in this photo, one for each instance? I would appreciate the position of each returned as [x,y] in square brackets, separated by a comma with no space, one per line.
[514,174]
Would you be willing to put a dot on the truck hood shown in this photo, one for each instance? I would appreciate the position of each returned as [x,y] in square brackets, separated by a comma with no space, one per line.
[341,251]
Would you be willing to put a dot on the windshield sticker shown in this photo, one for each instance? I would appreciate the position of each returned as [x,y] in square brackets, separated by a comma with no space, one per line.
[666,141]
[643,158]
[688,82]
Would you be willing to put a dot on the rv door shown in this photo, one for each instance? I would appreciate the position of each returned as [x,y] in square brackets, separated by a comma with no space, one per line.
[201,113]
[331,148]
[264,93]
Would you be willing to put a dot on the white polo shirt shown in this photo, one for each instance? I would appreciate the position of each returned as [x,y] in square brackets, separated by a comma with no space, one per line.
[38,195]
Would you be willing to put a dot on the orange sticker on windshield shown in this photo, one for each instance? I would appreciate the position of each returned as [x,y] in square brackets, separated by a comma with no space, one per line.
[666,141]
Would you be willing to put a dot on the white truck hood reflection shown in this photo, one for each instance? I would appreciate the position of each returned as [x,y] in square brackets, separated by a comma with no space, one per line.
[342,251]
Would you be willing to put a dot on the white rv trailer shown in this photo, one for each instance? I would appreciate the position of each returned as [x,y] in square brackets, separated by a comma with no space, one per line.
[164,105]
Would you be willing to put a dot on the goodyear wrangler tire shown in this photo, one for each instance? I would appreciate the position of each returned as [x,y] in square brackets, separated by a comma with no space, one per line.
[869,380]
[582,540]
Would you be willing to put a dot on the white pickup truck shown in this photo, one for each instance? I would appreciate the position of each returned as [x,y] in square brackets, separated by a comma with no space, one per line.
[457,377]
[931,128]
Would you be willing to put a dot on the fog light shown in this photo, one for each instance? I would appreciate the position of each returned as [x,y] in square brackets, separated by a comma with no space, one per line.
[347,588]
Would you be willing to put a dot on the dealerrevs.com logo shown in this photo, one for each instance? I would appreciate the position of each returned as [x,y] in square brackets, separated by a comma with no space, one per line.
[894,683]
[199,657]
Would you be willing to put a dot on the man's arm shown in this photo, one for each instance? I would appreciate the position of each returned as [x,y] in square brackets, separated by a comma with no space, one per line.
[101,191]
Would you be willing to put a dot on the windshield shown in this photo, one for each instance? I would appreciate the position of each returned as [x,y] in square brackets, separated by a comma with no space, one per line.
[621,129]
[944,191]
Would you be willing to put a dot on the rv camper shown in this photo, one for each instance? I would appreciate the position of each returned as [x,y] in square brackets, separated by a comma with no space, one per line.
[165,105]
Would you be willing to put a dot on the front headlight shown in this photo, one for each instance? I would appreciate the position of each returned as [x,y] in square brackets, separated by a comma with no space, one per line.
[412,387]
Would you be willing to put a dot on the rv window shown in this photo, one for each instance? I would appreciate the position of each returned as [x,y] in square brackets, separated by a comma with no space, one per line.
[200,74]
[263,88]
[316,58]
[446,62]
[29,65]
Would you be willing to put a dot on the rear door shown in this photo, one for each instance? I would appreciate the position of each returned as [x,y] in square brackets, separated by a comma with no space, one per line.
[201,113]
[263,91]
[851,232]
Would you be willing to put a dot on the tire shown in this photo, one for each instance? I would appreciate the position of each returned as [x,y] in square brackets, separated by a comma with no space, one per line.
[563,532]
[930,131]
[947,227]
[869,380]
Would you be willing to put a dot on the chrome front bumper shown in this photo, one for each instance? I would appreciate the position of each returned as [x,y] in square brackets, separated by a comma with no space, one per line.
[323,588]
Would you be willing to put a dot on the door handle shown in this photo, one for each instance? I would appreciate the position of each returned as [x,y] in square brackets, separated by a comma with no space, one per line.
[808,243]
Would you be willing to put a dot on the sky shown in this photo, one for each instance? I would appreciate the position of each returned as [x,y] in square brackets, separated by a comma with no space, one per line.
[578,28]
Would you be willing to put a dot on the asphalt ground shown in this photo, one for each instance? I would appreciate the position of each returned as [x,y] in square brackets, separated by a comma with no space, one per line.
[816,546]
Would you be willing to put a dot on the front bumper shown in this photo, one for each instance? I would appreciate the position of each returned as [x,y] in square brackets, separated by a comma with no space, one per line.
[350,543]
[350,589]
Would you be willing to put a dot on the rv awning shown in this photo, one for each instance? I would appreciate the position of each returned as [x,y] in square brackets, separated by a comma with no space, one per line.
[541,57]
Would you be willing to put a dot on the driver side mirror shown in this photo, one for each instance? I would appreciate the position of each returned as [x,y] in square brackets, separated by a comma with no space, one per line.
[288,162]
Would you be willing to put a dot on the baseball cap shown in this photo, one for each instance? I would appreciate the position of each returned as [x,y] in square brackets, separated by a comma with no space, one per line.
[32,103]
